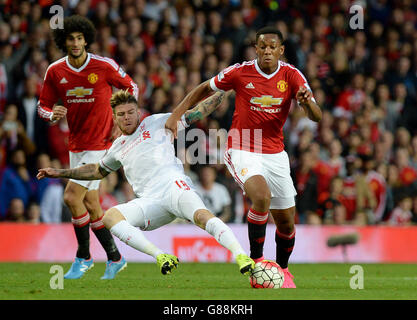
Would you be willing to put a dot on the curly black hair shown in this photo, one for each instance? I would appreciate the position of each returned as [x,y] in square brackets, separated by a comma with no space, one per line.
[75,24]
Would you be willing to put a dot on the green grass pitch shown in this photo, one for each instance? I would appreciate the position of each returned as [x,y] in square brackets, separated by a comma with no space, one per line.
[208,281]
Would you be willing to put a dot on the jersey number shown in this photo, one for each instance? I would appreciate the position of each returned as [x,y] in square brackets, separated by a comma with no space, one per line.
[182,184]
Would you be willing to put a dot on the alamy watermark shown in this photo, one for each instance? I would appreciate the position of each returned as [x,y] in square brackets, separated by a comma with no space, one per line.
[57,280]
[57,20]
[356,21]
[357,280]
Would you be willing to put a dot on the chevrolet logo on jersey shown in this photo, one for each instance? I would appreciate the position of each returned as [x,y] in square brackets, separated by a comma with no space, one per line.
[266,101]
[79,92]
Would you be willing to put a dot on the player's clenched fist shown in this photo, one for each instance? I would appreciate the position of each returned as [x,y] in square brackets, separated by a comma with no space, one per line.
[58,112]
[304,95]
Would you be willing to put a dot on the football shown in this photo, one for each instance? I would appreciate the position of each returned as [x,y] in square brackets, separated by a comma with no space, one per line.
[267,274]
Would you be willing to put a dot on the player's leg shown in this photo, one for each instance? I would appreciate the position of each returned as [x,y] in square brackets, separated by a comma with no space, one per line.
[92,203]
[115,262]
[123,220]
[282,207]
[248,172]
[256,188]
[192,208]
[285,240]
[73,195]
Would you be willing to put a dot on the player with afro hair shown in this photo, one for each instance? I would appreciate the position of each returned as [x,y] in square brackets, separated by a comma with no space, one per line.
[75,24]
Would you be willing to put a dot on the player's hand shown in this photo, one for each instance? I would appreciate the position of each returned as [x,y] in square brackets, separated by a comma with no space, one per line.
[47,173]
[58,112]
[171,124]
[303,95]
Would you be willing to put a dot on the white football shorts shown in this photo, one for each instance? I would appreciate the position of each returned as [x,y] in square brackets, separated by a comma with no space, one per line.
[78,159]
[177,199]
[275,168]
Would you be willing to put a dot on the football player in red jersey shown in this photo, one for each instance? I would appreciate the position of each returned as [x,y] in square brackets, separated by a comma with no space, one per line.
[255,156]
[82,82]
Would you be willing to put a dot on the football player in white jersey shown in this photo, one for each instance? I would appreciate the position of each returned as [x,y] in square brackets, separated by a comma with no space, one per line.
[146,152]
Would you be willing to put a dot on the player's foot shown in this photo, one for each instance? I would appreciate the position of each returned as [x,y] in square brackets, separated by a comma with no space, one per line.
[245,263]
[288,279]
[166,262]
[113,267]
[259,259]
[78,268]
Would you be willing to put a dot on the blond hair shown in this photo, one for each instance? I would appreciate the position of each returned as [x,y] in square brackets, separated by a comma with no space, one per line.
[122,97]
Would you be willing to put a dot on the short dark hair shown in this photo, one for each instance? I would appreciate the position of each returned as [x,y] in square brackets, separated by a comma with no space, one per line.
[269,30]
[72,24]
[122,97]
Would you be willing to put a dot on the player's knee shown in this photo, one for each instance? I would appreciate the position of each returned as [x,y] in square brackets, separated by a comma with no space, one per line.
[92,203]
[284,220]
[285,228]
[112,217]
[261,199]
[70,198]
[201,217]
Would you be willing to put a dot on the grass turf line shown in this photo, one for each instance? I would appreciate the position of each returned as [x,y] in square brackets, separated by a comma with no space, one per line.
[207,281]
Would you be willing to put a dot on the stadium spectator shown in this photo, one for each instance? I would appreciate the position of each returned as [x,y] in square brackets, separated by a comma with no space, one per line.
[407,174]
[305,181]
[331,209]
[16,182]
[12,134]
[33,213]
[214,195]
[358,198]
[10,61]
[378,186]
[35,128]
[402,214]
[49,192]
[15,211]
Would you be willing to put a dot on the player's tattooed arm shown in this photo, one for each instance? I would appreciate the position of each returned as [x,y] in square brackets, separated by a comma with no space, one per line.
[87,172]
[204,108]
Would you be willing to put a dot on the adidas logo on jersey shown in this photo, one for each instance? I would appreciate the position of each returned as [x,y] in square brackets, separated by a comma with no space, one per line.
[250,86]
[63,80]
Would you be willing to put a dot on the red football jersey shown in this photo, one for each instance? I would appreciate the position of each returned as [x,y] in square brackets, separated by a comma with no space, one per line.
[86,93]
[262,104]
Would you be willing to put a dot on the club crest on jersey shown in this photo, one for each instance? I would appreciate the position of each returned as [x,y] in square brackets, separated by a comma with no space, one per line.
[79,92]
[282,85]
[92,78]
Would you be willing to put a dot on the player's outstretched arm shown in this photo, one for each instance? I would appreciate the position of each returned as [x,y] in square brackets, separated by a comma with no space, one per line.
[205,107]
[87,172]
[192,98]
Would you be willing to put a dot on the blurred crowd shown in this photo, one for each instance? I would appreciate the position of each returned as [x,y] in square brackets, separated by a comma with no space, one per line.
[357,166]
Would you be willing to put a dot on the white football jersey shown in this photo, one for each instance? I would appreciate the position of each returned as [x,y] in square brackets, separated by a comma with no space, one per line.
[147,156]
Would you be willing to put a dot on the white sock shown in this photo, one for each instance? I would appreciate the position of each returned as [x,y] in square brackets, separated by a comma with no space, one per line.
[224,235]
[134,237]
